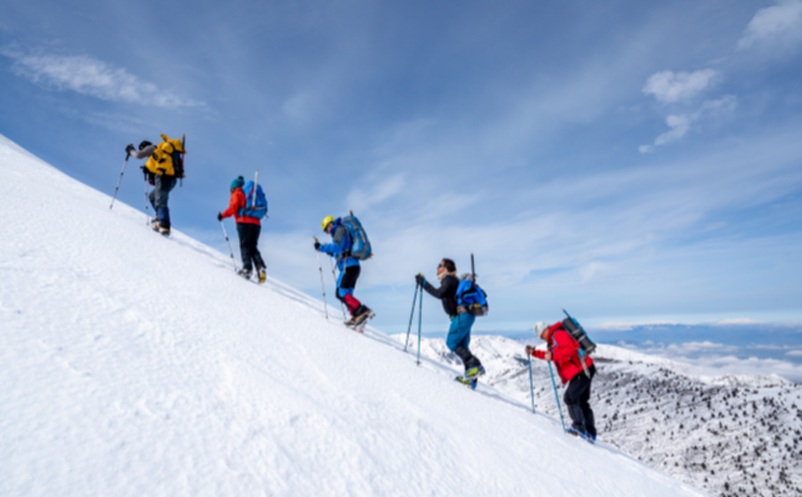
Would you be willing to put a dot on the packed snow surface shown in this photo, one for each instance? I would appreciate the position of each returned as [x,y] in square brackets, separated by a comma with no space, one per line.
[134,364]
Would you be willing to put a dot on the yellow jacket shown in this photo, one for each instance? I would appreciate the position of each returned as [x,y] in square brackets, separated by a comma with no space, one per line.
[161,160]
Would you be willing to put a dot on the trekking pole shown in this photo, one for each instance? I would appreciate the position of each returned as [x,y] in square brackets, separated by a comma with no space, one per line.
[147,211]
[322,286]
[231,252]
[119,181]
[556,396]
[531,384]
[342,307]
[420,317]
[411,315]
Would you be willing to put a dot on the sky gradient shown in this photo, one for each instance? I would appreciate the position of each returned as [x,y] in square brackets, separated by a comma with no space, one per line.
[624,160]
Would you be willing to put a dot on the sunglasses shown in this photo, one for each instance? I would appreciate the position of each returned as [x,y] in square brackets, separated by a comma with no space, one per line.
[441,265]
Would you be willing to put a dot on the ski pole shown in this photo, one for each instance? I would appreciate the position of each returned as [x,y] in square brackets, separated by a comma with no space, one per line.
[420,317]
[322,286]
[119,181]
[147,211]
[411,315]
[556,396]
[231,252]
[342,307]
[531,384]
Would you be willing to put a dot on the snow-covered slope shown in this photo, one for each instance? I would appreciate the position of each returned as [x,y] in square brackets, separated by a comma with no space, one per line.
[730,435]
[138,365]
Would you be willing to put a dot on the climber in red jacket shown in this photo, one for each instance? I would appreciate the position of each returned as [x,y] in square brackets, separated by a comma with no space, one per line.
[564,350]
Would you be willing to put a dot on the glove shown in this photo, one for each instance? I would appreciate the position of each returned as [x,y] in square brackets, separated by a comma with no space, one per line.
[419,279]
[219,216]
[130,148]
[529,350]
[317,245]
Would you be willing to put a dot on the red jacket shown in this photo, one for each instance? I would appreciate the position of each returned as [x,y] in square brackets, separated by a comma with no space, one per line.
[237,203]
[564,352]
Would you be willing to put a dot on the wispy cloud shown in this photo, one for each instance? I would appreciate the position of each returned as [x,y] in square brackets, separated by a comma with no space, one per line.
[669,87]
[680,124]
[91,77]
[362,199]
[779,22]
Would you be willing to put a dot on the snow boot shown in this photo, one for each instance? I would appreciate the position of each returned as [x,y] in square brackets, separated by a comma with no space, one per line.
[262,275]
[475,373]
[573,431]
[467,382]
[245,273]
[361,316]
[159,229]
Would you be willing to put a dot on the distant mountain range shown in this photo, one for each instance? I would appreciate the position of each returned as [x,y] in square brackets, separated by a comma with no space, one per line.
[729,435]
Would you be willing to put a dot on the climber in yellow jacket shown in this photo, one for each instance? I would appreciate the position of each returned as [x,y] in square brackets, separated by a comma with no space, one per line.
[164,167]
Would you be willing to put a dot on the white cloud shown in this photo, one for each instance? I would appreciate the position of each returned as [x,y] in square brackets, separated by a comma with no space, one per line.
[92,77]
[669,87]
[781,21]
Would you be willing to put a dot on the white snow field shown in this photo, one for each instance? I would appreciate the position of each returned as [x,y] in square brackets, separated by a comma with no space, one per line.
[132,364]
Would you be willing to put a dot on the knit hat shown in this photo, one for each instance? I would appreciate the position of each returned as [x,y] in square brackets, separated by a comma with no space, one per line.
[237,183]
[540,327]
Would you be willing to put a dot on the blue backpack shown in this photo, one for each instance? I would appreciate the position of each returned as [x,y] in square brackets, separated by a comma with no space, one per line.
[360,245]
[471,297]
[257,210]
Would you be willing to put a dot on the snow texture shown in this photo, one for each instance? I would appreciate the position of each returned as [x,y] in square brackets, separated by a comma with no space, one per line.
[134,364]
[729,435]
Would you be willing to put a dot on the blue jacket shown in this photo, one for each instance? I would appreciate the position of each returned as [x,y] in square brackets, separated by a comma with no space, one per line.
[340,246]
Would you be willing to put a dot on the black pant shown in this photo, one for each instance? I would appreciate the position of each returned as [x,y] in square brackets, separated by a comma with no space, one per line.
[468,359]
[248,238]
[577,397]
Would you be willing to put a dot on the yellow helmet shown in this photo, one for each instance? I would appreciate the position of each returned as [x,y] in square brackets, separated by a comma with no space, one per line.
[326,221]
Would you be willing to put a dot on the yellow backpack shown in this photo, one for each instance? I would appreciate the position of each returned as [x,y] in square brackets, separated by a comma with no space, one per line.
[168,158]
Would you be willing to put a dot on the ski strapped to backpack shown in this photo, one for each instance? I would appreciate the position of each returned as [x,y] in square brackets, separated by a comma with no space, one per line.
[470,298]
[578,332]
[255,204]
[360,245]
[586,345]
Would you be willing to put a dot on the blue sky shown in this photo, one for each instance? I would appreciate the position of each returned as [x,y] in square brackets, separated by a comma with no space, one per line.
[629,161]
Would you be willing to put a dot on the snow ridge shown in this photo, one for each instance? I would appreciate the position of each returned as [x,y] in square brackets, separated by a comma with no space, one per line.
[135,364]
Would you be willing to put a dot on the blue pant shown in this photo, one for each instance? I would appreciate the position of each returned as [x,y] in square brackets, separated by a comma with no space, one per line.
[460,331]
[459,338]
[159,196]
